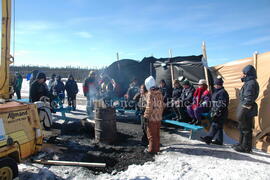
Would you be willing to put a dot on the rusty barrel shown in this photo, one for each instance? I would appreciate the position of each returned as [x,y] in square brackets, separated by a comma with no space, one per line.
[105,125]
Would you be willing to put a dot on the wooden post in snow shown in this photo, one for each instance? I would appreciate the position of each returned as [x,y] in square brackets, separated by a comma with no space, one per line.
[255,59]
[117,56]
[205,64]
[118,64]
[171,66]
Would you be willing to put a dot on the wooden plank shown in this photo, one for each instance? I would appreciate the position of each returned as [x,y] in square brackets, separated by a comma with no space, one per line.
[70,163]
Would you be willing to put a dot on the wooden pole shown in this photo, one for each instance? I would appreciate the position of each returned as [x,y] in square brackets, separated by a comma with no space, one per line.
[171,66]
[205,64]
[117,56]
[255,59]
[151,66]
[118,64]
[70,163]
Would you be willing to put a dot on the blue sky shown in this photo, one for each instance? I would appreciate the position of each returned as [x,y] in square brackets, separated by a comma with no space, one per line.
[89,33]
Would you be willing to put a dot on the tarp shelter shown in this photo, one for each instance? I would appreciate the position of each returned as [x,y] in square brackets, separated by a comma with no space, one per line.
[231,73]
[124,71]
[190,68]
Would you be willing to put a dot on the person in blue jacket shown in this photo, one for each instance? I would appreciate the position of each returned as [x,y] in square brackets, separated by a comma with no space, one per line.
[219,113]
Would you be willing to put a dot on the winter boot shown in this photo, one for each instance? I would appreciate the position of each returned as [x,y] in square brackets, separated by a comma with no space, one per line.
[240,140]
[206,139]
[217,142]
[246,146]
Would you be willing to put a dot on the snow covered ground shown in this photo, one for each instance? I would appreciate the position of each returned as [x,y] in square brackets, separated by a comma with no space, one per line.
[180,158]
[191,159]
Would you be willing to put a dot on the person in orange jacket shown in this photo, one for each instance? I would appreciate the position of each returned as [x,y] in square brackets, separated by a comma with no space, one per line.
[153,114]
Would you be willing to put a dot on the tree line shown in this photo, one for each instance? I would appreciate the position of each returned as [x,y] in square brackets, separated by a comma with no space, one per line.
[79,73]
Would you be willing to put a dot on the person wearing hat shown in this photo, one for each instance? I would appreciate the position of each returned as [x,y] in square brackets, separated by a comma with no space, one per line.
[153,114]
[201,99]
[177,90]
[38,88]
[247,109]
[186,99]
[219,113]
[132,91]
[72,90]
[90,90]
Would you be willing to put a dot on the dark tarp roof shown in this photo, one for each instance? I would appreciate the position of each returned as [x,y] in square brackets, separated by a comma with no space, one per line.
[124,71]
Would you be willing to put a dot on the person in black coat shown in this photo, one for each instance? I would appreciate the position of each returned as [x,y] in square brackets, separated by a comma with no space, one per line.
[34,76]
[164,90]
[219,113]
[247,109]
[38,88]
[186,99]
[132,90]
[166,98]
[58,88]
[176,94]
[141,99]
[72,90]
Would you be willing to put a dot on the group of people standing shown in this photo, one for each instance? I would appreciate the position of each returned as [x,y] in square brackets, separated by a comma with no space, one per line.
[55,88]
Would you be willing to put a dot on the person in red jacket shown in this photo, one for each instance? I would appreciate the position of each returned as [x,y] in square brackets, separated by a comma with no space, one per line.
[90,90]
[201,99]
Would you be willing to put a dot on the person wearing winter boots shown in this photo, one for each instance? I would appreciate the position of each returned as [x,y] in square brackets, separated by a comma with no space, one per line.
[247,108]
[219,113]
[153,114]
[72,90]
[140,99]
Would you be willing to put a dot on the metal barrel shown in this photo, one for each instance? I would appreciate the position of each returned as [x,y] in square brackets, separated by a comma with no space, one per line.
[105,125]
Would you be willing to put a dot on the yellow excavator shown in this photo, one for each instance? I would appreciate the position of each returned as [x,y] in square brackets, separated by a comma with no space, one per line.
[20,128]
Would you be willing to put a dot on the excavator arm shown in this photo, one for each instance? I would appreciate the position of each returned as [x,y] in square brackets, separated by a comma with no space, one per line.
[6,58]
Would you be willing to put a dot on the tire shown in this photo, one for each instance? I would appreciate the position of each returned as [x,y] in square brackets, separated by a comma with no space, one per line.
[8,169]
